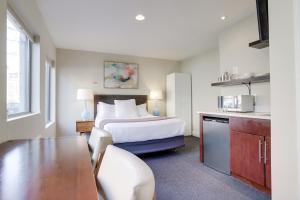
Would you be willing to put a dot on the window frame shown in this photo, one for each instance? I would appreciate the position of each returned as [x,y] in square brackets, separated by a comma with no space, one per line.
[48,92]
[29,54]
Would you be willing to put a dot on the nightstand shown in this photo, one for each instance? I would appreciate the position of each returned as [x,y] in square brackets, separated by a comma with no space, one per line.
[84,126]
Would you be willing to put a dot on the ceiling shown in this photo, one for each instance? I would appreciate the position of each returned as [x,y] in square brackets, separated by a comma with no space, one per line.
[173,29]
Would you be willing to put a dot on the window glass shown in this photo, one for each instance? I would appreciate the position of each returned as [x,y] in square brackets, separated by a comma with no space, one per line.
[18,69]
[48,92]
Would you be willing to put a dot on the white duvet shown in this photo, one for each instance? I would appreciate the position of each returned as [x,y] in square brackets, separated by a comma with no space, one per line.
[143,131]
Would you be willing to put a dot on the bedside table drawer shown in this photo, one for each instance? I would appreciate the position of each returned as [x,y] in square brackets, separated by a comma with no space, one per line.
[84,126]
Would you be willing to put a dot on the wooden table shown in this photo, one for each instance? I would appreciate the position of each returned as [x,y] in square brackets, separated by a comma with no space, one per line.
[46,169]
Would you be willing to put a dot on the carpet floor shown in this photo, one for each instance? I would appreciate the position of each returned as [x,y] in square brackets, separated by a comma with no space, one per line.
[180,176]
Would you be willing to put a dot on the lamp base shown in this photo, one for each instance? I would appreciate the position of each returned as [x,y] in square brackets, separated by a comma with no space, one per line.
[156,111]
[85,115]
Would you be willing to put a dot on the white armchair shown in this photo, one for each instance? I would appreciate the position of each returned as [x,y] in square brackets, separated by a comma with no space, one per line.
[98,141]
[124,176]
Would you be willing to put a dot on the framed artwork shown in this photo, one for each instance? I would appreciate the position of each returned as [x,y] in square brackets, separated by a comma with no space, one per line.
[120,75]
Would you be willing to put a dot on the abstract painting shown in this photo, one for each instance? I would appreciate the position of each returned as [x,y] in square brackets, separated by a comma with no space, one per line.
[120,75]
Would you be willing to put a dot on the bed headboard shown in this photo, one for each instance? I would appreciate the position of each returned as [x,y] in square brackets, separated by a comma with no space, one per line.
[140,99]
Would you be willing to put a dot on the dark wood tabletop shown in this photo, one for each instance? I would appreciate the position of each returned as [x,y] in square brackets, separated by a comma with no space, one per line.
[46,169]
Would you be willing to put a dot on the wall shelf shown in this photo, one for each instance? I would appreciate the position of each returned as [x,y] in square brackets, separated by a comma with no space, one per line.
[255,79]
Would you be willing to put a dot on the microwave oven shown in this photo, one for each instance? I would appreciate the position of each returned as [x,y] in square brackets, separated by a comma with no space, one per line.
[239,103]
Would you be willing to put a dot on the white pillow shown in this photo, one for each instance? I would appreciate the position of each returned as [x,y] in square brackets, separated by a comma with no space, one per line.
[142,110]
[126,108]
[106,111]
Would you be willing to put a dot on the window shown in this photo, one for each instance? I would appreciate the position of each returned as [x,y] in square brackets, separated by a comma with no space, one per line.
[49,90]
[19,52]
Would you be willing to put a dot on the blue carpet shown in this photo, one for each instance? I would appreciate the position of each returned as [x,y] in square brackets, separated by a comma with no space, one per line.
[180,176]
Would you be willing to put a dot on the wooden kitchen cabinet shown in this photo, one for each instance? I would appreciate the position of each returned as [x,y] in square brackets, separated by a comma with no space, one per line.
[246,156]
[251,150]
[252,126]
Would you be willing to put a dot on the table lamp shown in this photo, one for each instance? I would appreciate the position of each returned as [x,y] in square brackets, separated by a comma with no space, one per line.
[85,95]
[156,95]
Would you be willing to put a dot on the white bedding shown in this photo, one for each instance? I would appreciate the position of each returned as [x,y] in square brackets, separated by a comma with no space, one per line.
[143,131]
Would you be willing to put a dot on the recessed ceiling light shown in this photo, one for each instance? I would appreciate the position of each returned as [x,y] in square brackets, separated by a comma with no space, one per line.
[224,17]
[140,17]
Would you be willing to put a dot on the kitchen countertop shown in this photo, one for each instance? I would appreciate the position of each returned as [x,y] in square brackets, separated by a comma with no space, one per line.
[256,115]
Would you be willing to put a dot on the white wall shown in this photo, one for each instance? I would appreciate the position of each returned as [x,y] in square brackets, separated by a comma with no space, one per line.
[81,69]
[32,126]
[204,70]
[3,133]
[235,52]
[232,51]
[297,63]
[284,64]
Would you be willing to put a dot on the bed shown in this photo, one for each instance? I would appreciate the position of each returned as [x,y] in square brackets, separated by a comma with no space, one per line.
[143,135]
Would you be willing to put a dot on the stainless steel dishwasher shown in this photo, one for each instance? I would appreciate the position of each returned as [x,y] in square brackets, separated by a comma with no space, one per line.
[216,143]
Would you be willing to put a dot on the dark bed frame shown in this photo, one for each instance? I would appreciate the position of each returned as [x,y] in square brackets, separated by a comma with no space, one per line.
[143,147]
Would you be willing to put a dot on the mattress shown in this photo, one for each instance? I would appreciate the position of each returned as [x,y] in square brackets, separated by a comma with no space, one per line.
[143,130]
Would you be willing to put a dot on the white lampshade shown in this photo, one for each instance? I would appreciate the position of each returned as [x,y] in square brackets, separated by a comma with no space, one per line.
[84,94]
[156,94]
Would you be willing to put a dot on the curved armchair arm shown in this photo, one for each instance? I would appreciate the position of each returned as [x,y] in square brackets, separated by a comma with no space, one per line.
[98,142]
[101,145]
[123,175]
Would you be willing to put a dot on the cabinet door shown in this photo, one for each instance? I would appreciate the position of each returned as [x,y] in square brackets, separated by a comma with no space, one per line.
[258,126]
[268,161]
[170,90]
[246,156]
[183,100]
